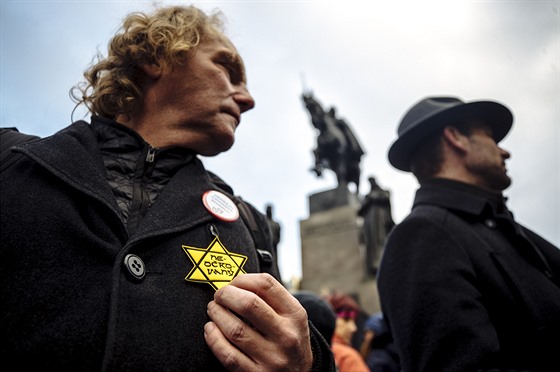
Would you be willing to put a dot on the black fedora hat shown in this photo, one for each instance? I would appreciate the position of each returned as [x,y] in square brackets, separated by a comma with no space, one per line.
[433,113]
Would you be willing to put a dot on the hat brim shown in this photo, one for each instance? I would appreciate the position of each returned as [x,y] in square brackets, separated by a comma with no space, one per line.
[494,114]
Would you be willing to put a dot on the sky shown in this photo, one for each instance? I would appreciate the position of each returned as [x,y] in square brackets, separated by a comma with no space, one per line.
[372,60]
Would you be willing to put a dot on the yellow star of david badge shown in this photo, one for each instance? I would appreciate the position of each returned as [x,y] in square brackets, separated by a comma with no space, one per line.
[214,265]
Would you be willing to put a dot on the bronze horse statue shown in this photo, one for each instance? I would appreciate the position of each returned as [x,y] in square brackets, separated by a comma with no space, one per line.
[337,147]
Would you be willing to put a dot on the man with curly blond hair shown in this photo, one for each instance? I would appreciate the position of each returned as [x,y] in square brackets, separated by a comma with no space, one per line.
[119,250]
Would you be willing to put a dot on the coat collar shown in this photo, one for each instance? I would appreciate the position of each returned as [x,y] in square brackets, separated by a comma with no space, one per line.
[461,197]
[73,155]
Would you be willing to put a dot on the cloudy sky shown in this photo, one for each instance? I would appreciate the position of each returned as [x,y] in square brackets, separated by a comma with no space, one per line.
[372,60]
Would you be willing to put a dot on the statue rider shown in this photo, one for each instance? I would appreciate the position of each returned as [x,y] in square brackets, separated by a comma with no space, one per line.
[337,147]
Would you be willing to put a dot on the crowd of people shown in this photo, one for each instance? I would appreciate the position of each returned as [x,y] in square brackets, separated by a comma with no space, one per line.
[336,316]
[120,251]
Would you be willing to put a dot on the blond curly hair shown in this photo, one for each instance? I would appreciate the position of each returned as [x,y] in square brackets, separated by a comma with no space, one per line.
[113,84]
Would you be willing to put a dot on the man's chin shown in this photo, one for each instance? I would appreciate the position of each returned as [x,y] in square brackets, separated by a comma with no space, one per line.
[216,150]
[503,183]
[508,184]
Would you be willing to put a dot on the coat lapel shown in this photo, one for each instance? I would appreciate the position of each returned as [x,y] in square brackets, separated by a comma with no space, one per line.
[179,206]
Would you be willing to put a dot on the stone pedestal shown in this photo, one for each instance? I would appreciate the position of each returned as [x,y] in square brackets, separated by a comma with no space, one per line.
[331,199]
[332,252]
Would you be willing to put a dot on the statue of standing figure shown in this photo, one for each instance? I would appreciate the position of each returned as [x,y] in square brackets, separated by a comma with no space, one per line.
[337,148]
[378,222]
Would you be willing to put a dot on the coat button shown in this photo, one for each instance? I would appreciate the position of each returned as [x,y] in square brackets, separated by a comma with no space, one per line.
[490,223]
[135,266]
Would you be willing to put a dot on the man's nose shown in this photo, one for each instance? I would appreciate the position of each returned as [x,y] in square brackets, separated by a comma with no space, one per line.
[244,100]
[505,154]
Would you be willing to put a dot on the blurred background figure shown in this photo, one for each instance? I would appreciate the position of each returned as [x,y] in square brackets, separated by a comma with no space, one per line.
[378,348]
[319,312]
[347,358]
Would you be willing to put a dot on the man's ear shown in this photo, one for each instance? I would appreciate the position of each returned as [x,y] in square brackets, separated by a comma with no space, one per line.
[152,70]
[455,139]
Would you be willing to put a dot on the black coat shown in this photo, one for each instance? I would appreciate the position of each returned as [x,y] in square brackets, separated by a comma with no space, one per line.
[68,301]
[464,288]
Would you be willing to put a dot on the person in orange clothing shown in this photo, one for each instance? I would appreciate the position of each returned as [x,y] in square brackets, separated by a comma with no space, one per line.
[346,357]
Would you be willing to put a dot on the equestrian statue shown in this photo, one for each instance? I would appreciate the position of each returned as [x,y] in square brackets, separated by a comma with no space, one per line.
[337,148]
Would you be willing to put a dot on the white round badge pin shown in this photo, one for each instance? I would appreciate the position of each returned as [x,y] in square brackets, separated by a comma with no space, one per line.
[220,206]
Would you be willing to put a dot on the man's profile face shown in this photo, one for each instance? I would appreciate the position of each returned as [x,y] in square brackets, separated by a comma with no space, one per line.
[203,99]
[486,160]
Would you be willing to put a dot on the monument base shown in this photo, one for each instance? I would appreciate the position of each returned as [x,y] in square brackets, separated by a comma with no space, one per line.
[330,199]
[333,255]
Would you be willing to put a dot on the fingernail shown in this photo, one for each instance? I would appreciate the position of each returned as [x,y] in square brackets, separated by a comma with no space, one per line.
[208,327]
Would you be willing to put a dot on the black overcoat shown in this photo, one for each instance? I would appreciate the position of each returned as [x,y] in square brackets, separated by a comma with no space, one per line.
[464,288]
[68,301]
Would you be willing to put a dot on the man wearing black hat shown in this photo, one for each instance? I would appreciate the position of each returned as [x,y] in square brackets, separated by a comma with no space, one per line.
[463,286]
